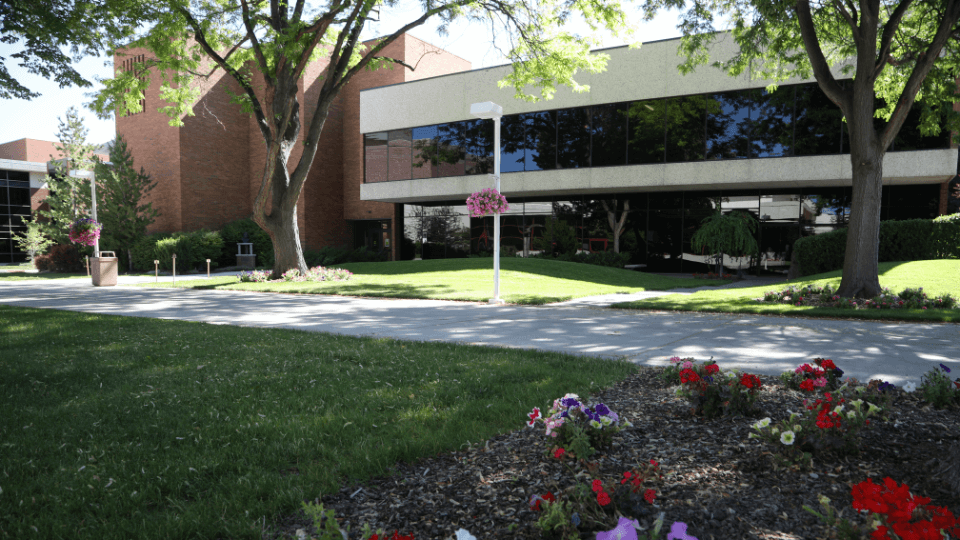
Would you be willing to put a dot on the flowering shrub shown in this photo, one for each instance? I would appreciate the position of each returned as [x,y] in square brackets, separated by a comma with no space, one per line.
[256,276]
[579,428]
[487,201]
[895,514]
[713,393]
[827,424]
[85,231]
[937,388]
[814,295]
[824,375]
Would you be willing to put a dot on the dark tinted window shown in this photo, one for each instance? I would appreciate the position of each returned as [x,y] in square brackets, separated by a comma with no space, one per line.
[541,145]
[817,125]
[685,128]
[19,176]
[647,136]
[512,143]
[609,135]
[451,149]
[19,196]
[573,138]
[910,136]
[401,141]
[424,161]
[728,124]
[478,135]
[772,120]
[375,156]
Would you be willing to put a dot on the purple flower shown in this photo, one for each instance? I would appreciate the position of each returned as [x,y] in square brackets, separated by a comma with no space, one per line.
[602,409]
[564,414]
[945,368]
[838,373]
[679,532]
[626,529]
[575,519]
[569,402]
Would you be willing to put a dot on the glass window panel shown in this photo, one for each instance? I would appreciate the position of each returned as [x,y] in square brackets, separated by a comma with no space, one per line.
[685,128]
[21,210]
[5,258]
[478,135]
[697,207]
[826,209]
[953,195]
[6,245]
[784,207]
[728,124]
[647,136]
[609,135]
[19,196]
[3,196]
[817,125]
[573,138]
[666,201]
[424,161]
[665,240]
[512,143]
[401,142]
[18,175]
[12,183]
[772,132]
[451,149]
[911,201]
[541,141]
[375,156]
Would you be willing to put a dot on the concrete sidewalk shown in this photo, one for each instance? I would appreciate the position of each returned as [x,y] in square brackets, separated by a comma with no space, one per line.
[896,352]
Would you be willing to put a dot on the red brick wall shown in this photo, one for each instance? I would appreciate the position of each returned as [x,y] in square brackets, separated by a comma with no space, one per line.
[29,150]
[155,146]
[38,197]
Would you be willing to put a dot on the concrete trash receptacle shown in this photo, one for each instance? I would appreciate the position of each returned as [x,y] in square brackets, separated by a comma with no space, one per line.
[103,270]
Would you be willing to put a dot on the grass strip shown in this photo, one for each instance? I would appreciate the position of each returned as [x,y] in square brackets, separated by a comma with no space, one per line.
[25,276]
[936,277]
[126,427]
[522,281]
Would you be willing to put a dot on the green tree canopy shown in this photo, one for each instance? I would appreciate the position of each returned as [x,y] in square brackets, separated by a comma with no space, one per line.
[69,197]
[902,51]
[279,38]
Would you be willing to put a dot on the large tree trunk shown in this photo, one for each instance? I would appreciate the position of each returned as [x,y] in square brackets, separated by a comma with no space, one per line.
[287,251]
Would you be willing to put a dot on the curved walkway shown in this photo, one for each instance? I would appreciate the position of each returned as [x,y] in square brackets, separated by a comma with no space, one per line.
[896,352]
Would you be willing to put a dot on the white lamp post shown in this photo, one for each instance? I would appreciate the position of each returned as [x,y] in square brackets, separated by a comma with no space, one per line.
[489,110]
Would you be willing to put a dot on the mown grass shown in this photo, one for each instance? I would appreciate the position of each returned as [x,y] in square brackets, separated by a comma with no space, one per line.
[522,281]
[123,427]
[936,277]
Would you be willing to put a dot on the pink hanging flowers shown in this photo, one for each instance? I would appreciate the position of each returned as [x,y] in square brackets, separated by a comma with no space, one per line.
[487,201]
[85,231]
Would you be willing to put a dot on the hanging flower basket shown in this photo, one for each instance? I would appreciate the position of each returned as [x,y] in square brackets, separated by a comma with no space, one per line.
[487,201]
[85,231]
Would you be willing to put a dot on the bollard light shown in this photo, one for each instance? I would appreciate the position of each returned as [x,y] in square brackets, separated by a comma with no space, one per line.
[88,265]
[208,267]
[174,268]
[156,271]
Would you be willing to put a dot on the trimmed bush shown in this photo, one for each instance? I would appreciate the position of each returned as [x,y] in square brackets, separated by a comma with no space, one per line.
[232,234]
[192,249]
[63,258]
[907,240]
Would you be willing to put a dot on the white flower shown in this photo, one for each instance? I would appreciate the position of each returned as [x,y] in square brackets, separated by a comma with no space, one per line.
[762,424]
[753,436]
[838,409]
[462,534]
[596,425]
[774,431]
[797,427]
[852,415]
[857,403]
[910,387]
[787,437]
[606,420]
[873,409]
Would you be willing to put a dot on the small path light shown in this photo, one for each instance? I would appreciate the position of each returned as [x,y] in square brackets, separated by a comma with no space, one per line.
[174,268]
[156,271]
[88,265]
[208,267]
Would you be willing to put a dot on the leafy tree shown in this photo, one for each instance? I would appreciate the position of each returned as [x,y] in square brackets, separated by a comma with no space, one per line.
[33,241]
[902,51]
[273,42]
[46,27]
[730,234]
[69,196]
[120,200]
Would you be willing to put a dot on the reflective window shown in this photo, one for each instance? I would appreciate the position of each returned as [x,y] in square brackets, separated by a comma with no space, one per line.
[451,149]
[728,124]
[772,123]
[375,156]
[911,137]
[647,123]
[541,141]
[573,138]
[400,143]
[910,202]
[609,135]
[425,159]
[817,125]
[478,137]
[14,208]
[685,128]
[512,143]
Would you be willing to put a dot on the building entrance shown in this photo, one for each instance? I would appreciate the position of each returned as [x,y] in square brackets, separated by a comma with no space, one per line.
[373,235]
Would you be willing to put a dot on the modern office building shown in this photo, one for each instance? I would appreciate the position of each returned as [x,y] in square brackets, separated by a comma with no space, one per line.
[676,148]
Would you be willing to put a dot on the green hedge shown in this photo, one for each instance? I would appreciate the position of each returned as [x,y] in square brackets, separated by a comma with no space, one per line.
[232,234]
[192,249]
[908,240]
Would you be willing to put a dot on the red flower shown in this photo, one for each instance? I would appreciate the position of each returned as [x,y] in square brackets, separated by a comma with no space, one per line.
[597,486]
[750,381]
[712,368]
[807,385]
[689,375]
[654,463]
[559,452]
[603,499]
[649,495]
[826,364]
[626,476]
[549,497]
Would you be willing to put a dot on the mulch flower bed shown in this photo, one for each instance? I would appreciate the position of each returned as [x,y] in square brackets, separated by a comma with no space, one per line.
[720,482]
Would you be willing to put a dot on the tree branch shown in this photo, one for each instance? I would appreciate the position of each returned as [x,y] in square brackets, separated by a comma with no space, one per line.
[851,21]
[257,49]
[889,32]
[821,69]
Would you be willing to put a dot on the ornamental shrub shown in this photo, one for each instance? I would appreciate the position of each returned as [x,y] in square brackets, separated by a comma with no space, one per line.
[578,427]
[600,258]
[824,375]
[946,239]
[64,258]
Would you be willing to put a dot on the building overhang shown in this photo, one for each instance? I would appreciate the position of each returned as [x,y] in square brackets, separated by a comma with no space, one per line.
[899,168]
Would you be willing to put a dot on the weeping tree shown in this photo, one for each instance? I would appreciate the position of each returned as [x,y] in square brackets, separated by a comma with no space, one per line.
[901,51]
[726,234]
[266,46]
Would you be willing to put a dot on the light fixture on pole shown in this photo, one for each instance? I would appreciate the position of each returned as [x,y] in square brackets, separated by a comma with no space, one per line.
[489,110]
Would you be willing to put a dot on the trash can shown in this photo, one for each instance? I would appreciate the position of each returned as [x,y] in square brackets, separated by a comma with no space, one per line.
[103,269]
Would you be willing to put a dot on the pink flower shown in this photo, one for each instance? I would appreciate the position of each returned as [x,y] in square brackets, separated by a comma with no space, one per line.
[687,365]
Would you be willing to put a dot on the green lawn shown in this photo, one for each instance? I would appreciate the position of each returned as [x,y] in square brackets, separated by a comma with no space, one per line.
[522,281]
[125,427]
[936,277]
[22,276]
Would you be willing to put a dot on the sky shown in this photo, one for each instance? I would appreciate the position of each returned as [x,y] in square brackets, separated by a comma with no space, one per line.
[38,118]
